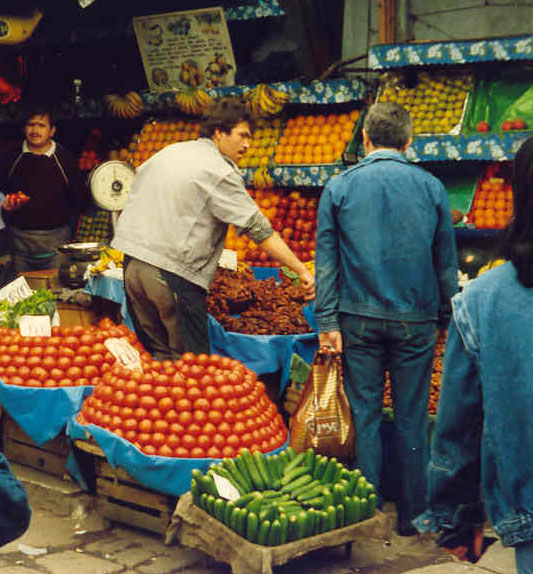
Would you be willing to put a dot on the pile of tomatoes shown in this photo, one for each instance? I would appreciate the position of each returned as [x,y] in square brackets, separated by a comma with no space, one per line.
[200,406]
[72,356]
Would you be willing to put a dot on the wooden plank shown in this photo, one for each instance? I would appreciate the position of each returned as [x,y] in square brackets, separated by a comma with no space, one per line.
[34,457]
[13,432]
[132,517]
[135,495]
[89,447]
[103,468]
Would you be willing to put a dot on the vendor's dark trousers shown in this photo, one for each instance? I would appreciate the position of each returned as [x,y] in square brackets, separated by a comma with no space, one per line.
[169,314]
[371,346]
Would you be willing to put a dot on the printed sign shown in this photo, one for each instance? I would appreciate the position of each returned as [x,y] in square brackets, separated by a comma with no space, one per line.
[35,326]
[225,489]
[124,353]
[15,291]
[228,259]
[186,50]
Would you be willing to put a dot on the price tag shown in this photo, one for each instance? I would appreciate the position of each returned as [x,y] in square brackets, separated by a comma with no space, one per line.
[124,353]
[228,259]
[225,488]
[35,326]
[15,291]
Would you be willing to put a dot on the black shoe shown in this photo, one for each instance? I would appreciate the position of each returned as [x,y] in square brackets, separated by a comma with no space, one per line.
[407,530]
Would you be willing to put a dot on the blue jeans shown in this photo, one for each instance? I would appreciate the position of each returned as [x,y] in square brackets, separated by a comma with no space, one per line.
[372,346]
[524,557]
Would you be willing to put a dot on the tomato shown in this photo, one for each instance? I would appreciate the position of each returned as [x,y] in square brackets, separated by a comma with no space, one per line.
[24,351]
[73,372]
[88,339]
[197,452]
[214,452]
[145,389]
[193,393]
[140,413]
[34,382]
[90,371]
[177,428]
[165,450]
[229,416]
[145,426]
[196,371]
[215,417]
[199,417]
[149,449]
[165,404]
[201,404]
[147,401]
[131,435]
[204,441]
[56,374]
[63,362]
[11,370]
[178,379]
[185,418]
[160,426]
[79,361]
[188,441]
[224,429]
[228,452]
[130,399]
[158,439]
[16,380]
[176,393]
[48,362]
[171,416]
[219,440]
[160,392]
[182,452]
[39,373]
[226,391]
[24,371]
[78,330]
[143,438]
[188,358]
[183,404]
[233,440]
[126,413]
[5,359]
[154,414]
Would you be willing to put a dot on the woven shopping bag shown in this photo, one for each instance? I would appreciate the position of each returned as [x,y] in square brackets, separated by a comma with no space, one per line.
[323,419]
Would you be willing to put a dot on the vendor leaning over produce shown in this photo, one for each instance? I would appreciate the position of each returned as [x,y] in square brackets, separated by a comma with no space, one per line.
[386,268]
[45,194]
[173,228]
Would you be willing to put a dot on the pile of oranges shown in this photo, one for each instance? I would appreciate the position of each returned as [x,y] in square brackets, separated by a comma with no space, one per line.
[493,203]
[155,135]
[315,139]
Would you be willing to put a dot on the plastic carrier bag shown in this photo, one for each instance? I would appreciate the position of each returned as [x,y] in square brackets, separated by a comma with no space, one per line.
[323,419]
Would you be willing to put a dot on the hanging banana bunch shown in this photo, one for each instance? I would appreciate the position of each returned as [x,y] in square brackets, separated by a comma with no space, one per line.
[128,106]
[264,101]
[262,179]
[193,103]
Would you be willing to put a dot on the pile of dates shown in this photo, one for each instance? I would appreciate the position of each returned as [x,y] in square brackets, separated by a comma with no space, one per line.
[243,304]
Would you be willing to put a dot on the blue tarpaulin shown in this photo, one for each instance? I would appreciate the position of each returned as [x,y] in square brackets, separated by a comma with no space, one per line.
[42,413]
[163,474]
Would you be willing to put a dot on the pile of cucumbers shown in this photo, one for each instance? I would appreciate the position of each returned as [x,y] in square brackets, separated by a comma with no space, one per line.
[285,496]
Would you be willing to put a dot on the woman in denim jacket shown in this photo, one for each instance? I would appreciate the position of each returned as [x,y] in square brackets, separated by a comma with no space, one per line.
[482,451]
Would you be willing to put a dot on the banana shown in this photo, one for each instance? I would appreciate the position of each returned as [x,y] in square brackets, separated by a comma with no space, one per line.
[262,179]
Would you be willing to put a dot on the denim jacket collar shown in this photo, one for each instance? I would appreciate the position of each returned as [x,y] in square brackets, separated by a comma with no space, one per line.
[383,154]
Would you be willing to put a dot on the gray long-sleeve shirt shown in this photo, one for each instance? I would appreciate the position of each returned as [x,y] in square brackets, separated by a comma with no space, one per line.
[180,206]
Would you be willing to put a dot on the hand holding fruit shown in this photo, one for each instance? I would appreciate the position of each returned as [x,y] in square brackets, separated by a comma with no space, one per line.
[14,201]
[307,281]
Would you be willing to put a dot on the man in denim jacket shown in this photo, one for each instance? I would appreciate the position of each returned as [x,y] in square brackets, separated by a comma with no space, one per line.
[386,268]
[15,512]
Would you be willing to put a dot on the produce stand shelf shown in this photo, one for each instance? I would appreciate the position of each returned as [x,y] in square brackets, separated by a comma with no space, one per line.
[456,52]
[18,447]
[193,527]
[120,498]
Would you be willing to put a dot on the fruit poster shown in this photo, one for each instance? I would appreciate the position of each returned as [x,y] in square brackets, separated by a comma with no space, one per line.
[186,50]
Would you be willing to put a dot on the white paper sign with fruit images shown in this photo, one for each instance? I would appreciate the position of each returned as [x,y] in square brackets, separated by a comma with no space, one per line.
[186,50]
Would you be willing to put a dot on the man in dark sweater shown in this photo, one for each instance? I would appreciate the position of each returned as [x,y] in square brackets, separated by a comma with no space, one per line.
[48,174]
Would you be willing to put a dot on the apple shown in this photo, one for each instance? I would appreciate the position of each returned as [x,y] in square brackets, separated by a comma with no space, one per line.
[507,125]
[519,124]
[483,126]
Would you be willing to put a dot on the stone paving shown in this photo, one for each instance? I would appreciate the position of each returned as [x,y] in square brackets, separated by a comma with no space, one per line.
[57,542]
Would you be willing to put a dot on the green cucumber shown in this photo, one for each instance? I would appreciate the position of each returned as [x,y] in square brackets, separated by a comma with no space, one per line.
[322,521]
[255,504]
[312,492]
[345,474]
[350,510]
[283,460]
[219,507]
[372,504]
[275,533]
[227,513]
[328,497]
[332,518]
[305,488]
[252,527]
[293,474]
[357,508]
[297,461]
[338,472]
[241,467]
[246,499]
[341,516]
[352,481]
[318,502]
[310,458]
[262,535]
[300,481]
[195,492]
[290,453]
[238,478]
[329,473]
[339,492]
[369,489]
[261,467]
[364,508]
[269,512]
[320,467]
[272,469]
[236,512]
[203,500]
[311,522]
[360,489]
[300,525]
[280,465]
[210,504]
[241,522]
[254,473]
[293,527]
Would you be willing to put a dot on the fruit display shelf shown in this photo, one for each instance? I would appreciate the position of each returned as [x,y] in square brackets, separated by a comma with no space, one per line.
[257,9]
[385,56]
[300,175]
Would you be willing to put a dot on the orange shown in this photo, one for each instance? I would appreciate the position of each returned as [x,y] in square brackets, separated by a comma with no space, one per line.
[339,146]
[329,158]
[333,137]
[354,115]
[311,139]
[479,220]
[293,140]
[343,118]
[337,128]
[299,149]
[306,130]
[315,129]
[297,130]
[310,120]
[308,157]
[298,158]
[302,139]
[346,136]
[331,119]
[283,140]
[291,122]
[321,139]
[300,120]
[320,120]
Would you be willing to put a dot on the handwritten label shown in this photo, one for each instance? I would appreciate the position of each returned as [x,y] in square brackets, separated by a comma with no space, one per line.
[228,259]
[225,489]
[124,353]
[35,326]
[15,291]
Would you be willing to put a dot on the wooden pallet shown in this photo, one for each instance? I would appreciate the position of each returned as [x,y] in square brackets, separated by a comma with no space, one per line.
[20,448]
[120,498]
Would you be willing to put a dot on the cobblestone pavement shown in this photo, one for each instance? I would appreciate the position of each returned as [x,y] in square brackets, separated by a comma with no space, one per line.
[68,537]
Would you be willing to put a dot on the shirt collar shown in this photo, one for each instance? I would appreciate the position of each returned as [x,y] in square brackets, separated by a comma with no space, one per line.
[229,160]
[384,154]
[49,152]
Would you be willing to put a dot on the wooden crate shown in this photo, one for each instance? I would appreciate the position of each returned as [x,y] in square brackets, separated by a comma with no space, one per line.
[20,448]
[120,498]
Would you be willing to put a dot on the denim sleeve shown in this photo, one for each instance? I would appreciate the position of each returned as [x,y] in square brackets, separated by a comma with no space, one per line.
[445,255]
[327,264]
[454,468]
[15,512]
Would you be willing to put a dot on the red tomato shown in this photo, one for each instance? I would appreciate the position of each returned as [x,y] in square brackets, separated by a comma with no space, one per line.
[185,418]
[182,452]
[225,429]
[165,404]
[73,372]
[140,413]
[188,358]
[183,405]
[145,389]
[171,416]
[173,441]
[199,417]
[130,400]
[145,426]
[90,371]
[193,393]
[24,371]
[39,373]
[176,393]
[215,417]
[16,380]
[188,441]
[214,452]
[228,452]
[64,362]
[160,426]
[147,402]
[165,450]
[79,361]
[158,439]
[177,429]
[219,440]
[149,449]
[204,441]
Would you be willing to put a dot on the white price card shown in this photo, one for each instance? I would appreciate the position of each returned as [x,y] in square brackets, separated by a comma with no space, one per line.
[35,326]
[228,259]
[15,291]
[225,489]
[124,353]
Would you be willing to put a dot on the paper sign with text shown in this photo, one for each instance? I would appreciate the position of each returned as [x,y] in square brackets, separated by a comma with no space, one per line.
[35,326]
[228,259]
[15,291]
[124,353]
[225,489]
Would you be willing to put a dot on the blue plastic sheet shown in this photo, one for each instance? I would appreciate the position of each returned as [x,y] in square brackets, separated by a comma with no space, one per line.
[163,474]
[112,289]
[42,413]
[262,353]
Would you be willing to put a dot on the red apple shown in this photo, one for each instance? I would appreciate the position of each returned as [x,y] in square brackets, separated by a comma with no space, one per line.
[519,124]
[507,125]
[483,126]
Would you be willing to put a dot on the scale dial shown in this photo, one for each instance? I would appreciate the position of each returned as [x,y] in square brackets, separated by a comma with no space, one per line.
[110,184]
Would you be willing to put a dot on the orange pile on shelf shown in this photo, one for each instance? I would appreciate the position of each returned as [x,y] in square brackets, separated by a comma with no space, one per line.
[154,136]
[315,139]
[493,203]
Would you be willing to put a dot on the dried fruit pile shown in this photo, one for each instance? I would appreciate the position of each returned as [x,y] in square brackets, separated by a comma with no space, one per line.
[199,406]
[71,357]
[265,307]
[436,376]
